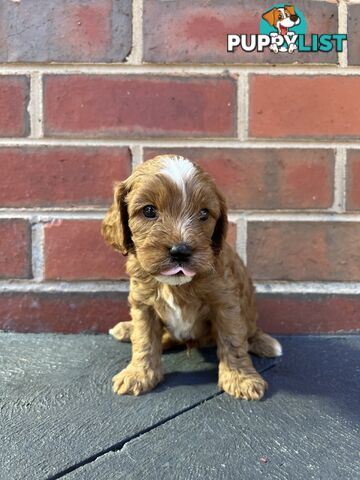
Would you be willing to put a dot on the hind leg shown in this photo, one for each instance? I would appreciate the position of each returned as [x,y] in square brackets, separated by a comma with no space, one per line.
[122,332]
[263,345]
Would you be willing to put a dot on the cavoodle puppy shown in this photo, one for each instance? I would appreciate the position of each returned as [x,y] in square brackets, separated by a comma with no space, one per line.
[187,285]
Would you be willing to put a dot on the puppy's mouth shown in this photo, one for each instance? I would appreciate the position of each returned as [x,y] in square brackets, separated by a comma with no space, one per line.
[178,271]
[284,30]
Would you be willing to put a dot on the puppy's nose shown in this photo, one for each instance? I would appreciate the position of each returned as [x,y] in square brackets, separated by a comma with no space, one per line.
[181,252]
[294,18]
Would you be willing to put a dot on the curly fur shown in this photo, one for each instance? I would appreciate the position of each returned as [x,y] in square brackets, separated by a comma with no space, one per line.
[216,305]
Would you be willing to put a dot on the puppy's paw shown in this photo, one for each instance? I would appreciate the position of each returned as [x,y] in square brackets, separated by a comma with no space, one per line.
[136,380]
[247,387]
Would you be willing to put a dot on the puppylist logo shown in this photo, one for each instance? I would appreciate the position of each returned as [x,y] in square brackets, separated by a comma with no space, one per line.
[282,30]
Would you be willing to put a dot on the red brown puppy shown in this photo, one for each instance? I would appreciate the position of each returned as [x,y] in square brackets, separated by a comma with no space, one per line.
[186,283]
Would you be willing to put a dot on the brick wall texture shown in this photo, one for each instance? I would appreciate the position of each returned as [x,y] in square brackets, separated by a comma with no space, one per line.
[89,89]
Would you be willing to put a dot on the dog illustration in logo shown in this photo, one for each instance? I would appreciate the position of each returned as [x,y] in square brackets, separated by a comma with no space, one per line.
[282,19]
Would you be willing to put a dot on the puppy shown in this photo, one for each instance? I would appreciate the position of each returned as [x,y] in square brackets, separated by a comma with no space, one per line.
[282,19]
[186,283]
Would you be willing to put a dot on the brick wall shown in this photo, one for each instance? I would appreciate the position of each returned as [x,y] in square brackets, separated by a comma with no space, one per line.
[89,89]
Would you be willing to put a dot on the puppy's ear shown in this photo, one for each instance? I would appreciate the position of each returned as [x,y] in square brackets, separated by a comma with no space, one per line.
[290,9]
[270,17]
[221,227]
[115,228]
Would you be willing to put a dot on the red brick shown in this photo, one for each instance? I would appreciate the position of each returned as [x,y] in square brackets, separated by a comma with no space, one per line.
[97,312]
[62,176]
[266,178]
[292,314]
[75,250]
[319,106]
[66,31]
[304,251]
[62,312]
[134,105]
[193,32]
[14,98]
[231,235]
[354,34]
[353,180]
[15,249]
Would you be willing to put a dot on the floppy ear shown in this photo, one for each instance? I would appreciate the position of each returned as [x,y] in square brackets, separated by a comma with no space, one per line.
[115,228]
[221,227]
[270,17]
[290,9]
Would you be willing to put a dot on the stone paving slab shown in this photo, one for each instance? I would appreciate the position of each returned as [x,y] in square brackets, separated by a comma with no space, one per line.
[307,426]
[58,410]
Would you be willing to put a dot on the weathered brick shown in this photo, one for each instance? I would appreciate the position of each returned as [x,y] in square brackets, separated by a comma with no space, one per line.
[97,312]
[134,105]
[193,32]
[75,250]
[319,106]
[353,180]
[61,176]
[14,98]
[304,313]
[15,249]
[266,178]
[354,34]
[62,312]
[303,251]
[66,31]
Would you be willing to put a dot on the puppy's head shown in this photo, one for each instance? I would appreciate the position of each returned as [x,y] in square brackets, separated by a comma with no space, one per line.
[282,18]
[169,214]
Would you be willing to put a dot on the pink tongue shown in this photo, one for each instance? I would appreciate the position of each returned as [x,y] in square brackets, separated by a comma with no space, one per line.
[175,270]
[284,30]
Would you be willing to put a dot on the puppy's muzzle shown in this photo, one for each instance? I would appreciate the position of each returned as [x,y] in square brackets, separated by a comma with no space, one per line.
[180,253]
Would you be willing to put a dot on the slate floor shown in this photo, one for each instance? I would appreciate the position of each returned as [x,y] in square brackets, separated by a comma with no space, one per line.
[59,418]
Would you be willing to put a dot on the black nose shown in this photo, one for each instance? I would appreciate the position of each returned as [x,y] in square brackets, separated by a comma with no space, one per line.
[294,18]
[181,252]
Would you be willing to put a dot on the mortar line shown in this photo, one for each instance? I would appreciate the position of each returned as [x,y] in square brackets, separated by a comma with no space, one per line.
[231,143]
[177,70]
[122,286]
[242,106]
[241,239]
[36,105]
[46,215]
[137,152]
[36,285]
[37,251]
[296,216]
[304,288]
[136,54]
[340,180]
[343,28]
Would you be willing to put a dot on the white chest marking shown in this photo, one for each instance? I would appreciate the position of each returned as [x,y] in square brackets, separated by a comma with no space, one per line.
[179,327]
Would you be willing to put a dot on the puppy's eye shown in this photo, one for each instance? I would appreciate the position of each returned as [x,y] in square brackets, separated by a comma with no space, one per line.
[204,214]
[280,17]
[149,211]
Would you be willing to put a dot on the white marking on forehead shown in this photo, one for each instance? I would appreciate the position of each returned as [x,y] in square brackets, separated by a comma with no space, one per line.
[178,169]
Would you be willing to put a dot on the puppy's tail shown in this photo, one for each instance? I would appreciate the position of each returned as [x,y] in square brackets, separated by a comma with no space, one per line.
[263,345]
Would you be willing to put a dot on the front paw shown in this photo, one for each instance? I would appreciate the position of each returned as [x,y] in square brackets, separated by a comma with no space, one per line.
[248,387]
[136,380]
